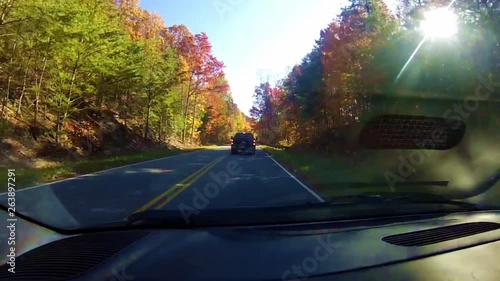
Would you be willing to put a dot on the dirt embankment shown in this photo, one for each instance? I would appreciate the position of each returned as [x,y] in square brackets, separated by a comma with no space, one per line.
[90,134]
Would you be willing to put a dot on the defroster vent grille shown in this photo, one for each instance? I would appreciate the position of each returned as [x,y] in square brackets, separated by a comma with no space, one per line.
[69,258]
[441,234]
[411,132]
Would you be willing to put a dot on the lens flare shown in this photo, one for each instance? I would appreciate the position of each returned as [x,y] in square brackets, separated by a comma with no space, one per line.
[440,22]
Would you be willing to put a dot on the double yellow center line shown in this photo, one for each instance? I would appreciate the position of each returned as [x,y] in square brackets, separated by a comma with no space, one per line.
[161,200]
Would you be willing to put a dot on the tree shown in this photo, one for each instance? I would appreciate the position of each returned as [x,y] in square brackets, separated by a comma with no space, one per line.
[360,53]
[62,63]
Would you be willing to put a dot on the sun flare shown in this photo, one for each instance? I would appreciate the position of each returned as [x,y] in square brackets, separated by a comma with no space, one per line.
[440,22]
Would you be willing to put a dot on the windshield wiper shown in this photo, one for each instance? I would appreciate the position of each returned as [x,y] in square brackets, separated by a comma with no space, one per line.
[226,216]
[351,185]
[375,203]
[399,197]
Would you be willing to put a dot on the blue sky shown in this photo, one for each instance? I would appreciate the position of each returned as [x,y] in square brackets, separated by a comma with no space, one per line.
[254,38]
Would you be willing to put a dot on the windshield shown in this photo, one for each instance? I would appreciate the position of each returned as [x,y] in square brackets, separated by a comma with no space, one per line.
[117,107]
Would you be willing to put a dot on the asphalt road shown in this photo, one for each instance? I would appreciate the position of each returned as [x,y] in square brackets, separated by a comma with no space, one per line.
[199,180]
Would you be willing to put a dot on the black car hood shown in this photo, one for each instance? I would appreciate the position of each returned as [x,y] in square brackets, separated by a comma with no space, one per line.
[247,253]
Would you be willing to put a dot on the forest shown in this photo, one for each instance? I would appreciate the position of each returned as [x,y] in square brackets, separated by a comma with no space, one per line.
[84,77]
[361,54]
[91,77]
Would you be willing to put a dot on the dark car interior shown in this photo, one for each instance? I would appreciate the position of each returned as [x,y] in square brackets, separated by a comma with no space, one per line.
[428,246]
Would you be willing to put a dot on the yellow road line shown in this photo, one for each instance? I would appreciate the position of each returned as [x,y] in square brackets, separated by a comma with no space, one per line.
[173,189]
[181,187]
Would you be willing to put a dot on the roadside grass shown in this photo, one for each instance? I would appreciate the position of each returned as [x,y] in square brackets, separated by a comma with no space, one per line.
[323,173]
[27,177]
[314,169]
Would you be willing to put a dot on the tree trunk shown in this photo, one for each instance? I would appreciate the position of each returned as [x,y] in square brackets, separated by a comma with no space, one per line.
[25,79]
[159,126]
[148,112]
[184,121]
[7,96]
[100,94]
[185,113]
[5,10]
[62,112]
[127,98]
[194,119]
[73,77]
[117,99]
[37,94]
[58,127]
[9,80]
[58,122]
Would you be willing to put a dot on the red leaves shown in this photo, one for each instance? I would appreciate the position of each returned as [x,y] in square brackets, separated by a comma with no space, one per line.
[200,71]
[197,50]
[206,67]
[323,91]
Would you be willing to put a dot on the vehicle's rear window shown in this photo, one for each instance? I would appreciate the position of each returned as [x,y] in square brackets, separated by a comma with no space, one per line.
[244,136]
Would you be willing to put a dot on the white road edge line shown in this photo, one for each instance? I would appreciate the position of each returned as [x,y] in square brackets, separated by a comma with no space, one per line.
[297,180]
[102,171]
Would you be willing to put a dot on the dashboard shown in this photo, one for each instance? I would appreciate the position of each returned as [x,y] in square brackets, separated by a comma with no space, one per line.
[455,246]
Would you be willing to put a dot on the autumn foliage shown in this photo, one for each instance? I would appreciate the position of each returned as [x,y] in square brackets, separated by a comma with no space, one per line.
[359,55]
[64,61]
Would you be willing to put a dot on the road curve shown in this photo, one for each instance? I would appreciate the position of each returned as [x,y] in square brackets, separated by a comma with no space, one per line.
[207,179]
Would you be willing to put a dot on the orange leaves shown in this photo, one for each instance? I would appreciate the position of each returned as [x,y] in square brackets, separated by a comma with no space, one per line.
[143,25]
[132,16]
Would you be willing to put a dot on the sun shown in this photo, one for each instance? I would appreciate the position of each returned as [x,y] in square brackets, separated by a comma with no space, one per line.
[440,23]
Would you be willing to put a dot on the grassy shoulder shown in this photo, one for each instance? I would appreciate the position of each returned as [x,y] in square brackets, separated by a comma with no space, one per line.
[26,177]
[323,173]
[314,169]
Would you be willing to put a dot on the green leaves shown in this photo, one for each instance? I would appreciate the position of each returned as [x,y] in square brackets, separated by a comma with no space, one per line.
[59,58]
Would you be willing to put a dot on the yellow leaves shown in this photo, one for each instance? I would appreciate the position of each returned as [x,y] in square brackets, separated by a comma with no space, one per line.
[184,67]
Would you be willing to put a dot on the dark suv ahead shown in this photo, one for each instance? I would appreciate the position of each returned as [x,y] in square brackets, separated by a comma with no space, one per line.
[243,143]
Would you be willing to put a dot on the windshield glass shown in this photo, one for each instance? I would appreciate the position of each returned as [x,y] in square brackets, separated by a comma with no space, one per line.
[243,136]
[115,107]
